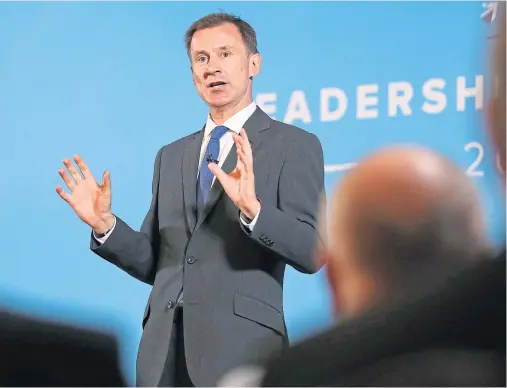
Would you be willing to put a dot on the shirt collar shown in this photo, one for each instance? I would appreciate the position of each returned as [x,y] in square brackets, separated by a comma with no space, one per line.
[234,123]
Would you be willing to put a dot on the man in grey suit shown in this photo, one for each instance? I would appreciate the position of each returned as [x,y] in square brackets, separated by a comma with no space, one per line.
[233,203]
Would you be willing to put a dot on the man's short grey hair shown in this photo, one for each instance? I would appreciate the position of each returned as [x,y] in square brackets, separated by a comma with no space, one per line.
[217,19]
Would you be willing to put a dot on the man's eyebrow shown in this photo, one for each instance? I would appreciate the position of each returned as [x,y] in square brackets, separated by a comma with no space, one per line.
[201,51]
[195,53]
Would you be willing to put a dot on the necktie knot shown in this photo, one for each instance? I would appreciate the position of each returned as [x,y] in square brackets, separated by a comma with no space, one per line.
[218,132]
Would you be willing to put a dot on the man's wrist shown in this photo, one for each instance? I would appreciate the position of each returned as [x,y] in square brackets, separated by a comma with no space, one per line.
[251,211]
[104,226]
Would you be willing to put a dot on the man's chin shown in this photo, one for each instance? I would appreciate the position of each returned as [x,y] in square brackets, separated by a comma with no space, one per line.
[218,103]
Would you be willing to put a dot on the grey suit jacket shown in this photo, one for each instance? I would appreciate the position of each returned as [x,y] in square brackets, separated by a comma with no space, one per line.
[233,313]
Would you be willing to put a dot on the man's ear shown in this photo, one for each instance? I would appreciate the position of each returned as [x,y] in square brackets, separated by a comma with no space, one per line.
[254,65]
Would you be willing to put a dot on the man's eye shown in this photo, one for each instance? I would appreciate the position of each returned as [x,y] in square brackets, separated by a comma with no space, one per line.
[226,54]
[201,59]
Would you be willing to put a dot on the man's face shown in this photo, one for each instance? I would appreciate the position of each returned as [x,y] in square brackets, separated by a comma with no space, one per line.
[222,66]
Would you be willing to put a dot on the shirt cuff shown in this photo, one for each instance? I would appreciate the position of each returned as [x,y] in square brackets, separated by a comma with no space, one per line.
[250,225]
[103,237]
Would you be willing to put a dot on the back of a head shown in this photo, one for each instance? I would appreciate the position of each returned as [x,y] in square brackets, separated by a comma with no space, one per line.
[404,217]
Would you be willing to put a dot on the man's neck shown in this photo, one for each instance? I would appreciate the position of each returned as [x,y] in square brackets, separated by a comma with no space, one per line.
[220,115]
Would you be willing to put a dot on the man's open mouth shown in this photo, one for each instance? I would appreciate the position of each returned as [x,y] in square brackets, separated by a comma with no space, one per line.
[215,84]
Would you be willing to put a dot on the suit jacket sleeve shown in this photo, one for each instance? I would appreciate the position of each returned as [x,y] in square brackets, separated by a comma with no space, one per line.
[289,229]
[135,252]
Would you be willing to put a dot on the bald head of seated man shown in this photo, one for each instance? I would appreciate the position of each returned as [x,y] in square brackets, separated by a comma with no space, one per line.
[403,218]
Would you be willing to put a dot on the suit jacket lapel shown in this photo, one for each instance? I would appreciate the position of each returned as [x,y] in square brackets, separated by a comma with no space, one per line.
[190,166]
[257,123]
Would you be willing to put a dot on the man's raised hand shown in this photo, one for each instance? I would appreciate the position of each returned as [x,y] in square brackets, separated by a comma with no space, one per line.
[90,201]
[239,185]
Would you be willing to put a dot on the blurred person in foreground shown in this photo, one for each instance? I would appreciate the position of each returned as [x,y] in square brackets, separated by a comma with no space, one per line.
[403,221]
[452,334]
[405,218]
[40,352]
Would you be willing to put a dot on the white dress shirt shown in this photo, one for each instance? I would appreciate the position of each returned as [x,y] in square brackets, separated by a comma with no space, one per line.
[234,123]
[243,376]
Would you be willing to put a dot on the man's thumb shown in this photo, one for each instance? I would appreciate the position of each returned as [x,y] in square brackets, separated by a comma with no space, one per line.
[217,171]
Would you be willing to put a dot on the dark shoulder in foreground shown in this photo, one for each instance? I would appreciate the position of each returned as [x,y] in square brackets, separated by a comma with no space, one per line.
[46,353]
[467,311]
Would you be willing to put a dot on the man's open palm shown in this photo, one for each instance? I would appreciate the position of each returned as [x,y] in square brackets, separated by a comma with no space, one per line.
[90,201]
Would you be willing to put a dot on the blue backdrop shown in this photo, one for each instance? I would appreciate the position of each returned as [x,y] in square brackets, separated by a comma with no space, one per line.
[111,82]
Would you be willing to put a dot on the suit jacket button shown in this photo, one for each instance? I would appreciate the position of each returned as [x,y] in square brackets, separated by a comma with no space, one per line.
[169,305]
[191,260]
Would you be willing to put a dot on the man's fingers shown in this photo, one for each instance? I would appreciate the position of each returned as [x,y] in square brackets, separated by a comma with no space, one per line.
[68,182]
[239,150]
[243,134]
[244,152]
[242,177]
[239,141]
[72,170]
[240,144]
[244,137]
[242,161]
[106,183]
[62,194]
[242,170]
[83,167]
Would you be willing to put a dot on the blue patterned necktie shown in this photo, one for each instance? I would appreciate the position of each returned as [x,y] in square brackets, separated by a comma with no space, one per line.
[205,174]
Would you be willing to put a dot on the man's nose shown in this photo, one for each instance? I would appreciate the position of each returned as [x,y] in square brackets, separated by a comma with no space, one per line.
[213,67]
